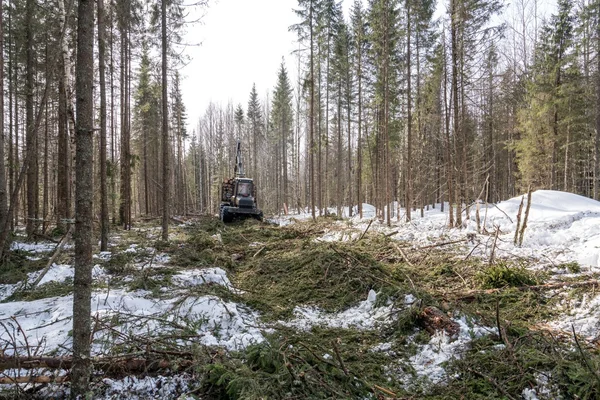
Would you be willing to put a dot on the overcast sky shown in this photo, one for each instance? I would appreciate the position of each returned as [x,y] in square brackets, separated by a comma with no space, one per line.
[243,42]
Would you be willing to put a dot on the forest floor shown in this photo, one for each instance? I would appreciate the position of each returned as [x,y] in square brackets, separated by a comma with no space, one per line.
[337,308]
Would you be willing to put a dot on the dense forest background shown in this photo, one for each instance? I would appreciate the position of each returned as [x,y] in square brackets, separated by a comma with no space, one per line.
[399,103]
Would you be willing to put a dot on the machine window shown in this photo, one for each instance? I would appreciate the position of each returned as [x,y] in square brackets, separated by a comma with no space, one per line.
[244,189]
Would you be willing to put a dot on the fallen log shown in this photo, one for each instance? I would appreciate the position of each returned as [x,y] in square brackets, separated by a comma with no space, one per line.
[35,362]
[34,379]
[108,365]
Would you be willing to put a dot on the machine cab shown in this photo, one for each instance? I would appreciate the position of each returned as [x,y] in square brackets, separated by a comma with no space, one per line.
[244,193]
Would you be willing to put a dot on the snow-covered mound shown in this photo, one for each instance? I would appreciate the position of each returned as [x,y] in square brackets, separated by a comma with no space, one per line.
[561,228]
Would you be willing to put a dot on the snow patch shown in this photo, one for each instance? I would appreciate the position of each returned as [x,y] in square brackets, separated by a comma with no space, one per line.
[33,247]
[583,316]
[429,360]
[363,316]
[49,321]
[203,276]
[147,387]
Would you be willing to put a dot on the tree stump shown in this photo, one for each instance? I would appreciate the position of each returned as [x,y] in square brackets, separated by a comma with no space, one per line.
[432,319]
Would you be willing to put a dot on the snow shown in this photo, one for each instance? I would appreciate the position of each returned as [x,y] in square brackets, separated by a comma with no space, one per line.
[147,387]
[363,316]
[203,276]
[562,228]
[47,322]
[429,361]
[32,247]
[62,272]
[583,316]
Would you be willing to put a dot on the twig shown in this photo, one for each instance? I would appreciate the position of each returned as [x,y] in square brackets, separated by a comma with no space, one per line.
[442,244]
[589,367]
[472,251]
[384,390]
[501,332]
[494,245]
[60,246]
[503,212]
[321,359]
[20,329]
[493,382]
[258,252]
[339,358]
[365,232]
[403,255]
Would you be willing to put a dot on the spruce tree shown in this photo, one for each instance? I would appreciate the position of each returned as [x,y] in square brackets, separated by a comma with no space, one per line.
[255,130]
[282,118]
[552,112]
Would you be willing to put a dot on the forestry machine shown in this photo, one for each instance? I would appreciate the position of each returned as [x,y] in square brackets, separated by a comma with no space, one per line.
[238,194]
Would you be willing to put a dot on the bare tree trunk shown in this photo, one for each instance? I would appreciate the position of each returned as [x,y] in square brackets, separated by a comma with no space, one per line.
[15,213]
[165,125]
[3,194]
[311,118]
[597,137]
[125,203]
[340,188]
[46,144]
[455,103]
[11,150]
[113,172]
[31,133]
[359,159]
[449,166]
[408,193]
[349,129]
[82,283]
[104,222]
[63,193]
